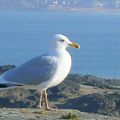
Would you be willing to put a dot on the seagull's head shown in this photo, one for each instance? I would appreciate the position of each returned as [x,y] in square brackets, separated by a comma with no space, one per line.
[62,42]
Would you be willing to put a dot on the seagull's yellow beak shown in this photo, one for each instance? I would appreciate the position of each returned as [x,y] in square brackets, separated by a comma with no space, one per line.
[74,45]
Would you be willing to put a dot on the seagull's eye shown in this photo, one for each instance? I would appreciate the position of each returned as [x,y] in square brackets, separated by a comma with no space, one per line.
[61,40]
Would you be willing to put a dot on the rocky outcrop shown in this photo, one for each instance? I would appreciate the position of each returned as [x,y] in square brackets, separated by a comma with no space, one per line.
[84,93]
[5,68]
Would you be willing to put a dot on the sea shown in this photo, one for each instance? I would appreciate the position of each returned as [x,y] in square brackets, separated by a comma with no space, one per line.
[27,34]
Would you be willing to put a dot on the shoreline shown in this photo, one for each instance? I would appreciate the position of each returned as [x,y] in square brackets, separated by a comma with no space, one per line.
[68,10]
[89,10]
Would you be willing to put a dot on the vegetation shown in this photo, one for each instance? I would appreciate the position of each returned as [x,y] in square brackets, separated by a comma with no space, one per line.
[70,116]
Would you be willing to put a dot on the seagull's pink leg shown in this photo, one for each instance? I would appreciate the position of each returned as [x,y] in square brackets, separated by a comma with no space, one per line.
[46,100]
[46,103]
[40,102]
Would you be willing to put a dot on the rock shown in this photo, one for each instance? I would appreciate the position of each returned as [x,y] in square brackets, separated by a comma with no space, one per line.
[5,68]
[37,114]
[84,93]
[18,97]
[95,103]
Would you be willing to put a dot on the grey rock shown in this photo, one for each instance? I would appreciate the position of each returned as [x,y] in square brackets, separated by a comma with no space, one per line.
[37,114]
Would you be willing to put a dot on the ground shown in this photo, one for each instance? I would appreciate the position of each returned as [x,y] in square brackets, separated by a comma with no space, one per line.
[84,93]
[36,114]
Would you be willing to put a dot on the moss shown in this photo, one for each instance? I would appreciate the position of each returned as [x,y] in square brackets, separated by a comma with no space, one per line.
[40,112]
[70,116]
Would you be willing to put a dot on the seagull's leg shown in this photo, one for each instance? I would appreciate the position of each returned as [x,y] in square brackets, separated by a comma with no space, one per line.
[46,103]
[46,100]
[40,102]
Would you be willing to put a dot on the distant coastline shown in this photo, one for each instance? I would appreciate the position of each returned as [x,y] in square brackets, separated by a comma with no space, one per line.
[61,5]
[83,10]
[96,10]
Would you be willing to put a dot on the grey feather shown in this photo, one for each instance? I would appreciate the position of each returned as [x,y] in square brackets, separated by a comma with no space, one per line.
[35,71]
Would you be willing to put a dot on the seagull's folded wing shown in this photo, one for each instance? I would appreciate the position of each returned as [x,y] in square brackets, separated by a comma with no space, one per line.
[35,71]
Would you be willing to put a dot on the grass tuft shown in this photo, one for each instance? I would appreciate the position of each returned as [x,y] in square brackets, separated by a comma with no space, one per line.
[71,116]
[40,112]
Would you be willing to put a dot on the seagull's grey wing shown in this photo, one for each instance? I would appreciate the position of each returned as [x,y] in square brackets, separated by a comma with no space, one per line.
[35,71]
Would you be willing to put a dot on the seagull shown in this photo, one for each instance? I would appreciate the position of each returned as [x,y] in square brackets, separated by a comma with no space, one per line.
[46,71]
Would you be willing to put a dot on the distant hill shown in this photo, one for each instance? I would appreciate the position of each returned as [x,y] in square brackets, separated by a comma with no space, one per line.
[57,4]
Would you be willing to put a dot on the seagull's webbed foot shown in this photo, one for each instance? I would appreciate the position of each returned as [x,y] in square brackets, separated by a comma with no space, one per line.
[40,107]
[46,103]
[52,109]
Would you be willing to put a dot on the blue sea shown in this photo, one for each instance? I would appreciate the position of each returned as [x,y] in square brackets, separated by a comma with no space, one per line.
[24,35]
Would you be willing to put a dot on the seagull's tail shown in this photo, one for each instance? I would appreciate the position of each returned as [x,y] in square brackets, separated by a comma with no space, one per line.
[2,80]
[4,83]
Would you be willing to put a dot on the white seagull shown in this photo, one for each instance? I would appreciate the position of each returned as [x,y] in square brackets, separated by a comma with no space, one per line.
[46,71]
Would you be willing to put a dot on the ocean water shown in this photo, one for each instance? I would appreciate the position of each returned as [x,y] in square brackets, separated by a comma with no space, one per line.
[24,35]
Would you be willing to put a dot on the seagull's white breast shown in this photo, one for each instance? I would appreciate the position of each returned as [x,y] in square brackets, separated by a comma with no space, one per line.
[63,68]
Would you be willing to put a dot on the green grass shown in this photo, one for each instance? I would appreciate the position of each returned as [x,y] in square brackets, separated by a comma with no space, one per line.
[40,112]
[71,116]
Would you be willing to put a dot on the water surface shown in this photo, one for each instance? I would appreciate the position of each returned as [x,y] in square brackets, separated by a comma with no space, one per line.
[24,35]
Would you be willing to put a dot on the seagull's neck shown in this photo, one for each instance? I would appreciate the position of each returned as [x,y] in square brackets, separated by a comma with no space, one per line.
[57,51]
